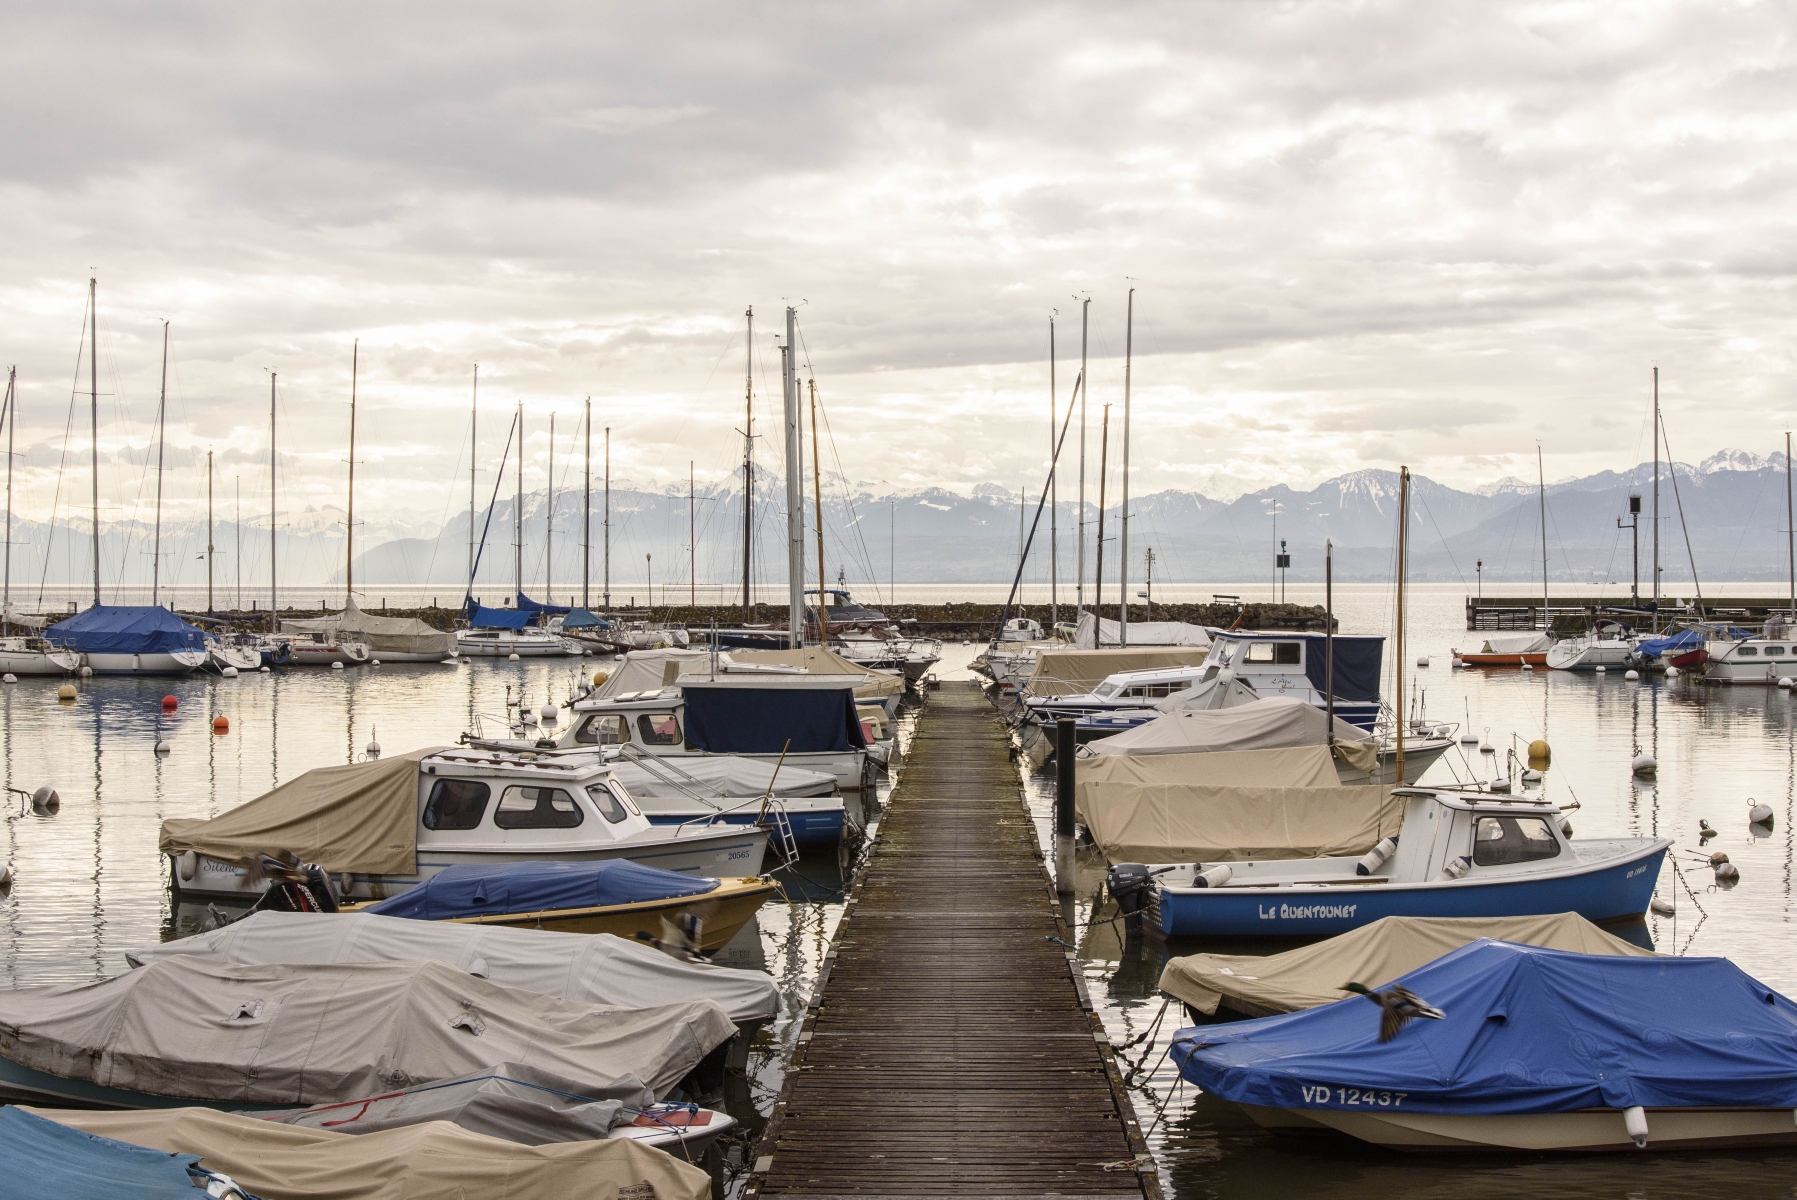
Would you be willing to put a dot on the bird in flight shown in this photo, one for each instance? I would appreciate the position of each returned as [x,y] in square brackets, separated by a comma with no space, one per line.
[1397,1006]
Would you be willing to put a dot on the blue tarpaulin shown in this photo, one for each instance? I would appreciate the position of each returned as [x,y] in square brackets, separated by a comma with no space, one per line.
[44,1158]
[735,720]
[482,617]
[126,629]
[526,604]
[490,888]
[1679,643]
[1527,1030]
[580,618]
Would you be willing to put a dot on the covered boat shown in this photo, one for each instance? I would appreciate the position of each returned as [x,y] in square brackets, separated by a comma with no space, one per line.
[1245,666]
[64,1161]
[1171,822]
[118,639]
[389,639]
[187,1029]
[1508,650]
[598,971]
[1683,649]
[1538,1050]
[1095,632]
[1255,985]
[886,688]
[731,789]
[609,896]
[1075,672]
[503,632]
[417,1162]
[1273,724]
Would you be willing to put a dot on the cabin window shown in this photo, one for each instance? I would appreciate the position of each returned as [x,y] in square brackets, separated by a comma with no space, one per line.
[1748,652]
[536,808]
[1288,654]
[607,802]
[606,729]
[456,804]
[1260,652]
[658,729]
[1500,841]
[1775,650]
[1105,691]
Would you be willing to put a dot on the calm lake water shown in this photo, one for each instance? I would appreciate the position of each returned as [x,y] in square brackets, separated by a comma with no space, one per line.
[90,884]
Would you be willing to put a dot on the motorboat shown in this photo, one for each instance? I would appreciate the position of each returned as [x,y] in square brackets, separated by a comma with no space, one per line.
[35,656]
[383,826]
[907,656]
[1125,691]
[1759,660]
[1525,1049]
[795,802]
[1455,854]
[1020,629]
[1592,651]
[1508,650]
[525,643]
[232,652]
[388,639]
[325,649]
[118,639]
[613,896]
[1246,666]
[876,685]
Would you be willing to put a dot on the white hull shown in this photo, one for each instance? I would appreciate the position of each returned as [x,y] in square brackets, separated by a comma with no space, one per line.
[1419,755]
[1589,1130]
[314,654]
[1588,656]
[180,662]
[220,655]
[538,646]
[1761,661]
[406,656]
[842,766]
[39,662]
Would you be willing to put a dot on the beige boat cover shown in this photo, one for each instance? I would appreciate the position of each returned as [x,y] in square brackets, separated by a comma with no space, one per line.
[362,817]
[1293,766]
[1516,643]
[1374,954]
[293,1036]
[650,670]
[821,660]
[395,635]
[1093,631]
[1160,823]
[1073,672]
[1257,725]
[596,969]
[432,1161]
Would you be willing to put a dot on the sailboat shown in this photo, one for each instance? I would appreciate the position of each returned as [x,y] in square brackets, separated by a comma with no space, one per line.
[23,655]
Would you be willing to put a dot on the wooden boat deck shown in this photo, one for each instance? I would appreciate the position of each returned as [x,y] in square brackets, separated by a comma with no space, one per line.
[950,1048]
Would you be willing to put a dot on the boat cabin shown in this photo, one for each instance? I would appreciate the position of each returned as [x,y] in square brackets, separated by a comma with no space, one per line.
[1294,664]
[470,798]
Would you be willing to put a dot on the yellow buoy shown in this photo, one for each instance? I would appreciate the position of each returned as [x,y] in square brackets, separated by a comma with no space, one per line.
[1540,749]
[66,692]
[599,678]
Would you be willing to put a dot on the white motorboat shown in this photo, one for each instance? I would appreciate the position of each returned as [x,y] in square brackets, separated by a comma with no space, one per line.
[1590,652]
[1760,660]
[1020,629]
[1125,690]
[323,649]
[35,656]
[525,643]
[443,808]
[226,652]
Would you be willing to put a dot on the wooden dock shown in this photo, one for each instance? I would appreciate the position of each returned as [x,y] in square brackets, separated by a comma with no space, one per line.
[950,1048]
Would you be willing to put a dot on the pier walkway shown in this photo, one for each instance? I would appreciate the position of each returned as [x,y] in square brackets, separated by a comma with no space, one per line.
[950,1048]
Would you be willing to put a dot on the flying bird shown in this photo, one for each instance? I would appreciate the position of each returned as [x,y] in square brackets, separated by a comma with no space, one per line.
[1396,1007]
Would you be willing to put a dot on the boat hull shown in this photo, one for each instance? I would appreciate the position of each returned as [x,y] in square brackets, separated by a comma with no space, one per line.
[1614,890]
[180,662]
[312,654]
[813,823]
[522,647]
[1589,656]
[1586,1130]
[39,662]
[1504,660]
[407,656]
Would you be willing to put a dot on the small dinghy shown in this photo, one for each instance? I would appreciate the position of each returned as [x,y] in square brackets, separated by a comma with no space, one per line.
[608,896]
[1531,1050]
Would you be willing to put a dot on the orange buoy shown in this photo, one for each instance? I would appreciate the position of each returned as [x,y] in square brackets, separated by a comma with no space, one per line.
[221,724]
[169,702]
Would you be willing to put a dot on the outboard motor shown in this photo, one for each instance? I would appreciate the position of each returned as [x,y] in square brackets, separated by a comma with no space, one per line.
[294,887]
[1128,884]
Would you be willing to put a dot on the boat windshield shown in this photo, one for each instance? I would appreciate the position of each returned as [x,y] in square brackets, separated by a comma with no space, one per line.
[1105,690]
[1501,841]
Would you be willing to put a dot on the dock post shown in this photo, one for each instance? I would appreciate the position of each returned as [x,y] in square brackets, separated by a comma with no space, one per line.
[1064,751]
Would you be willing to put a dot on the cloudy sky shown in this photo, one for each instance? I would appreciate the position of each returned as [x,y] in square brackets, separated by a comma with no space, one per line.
[1360,234]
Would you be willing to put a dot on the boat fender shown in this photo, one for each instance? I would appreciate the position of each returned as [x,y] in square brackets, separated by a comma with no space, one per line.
[1661,908]
[1565,828]
[185,864]
[1216,877]
[1634,1119]
[1456,868]
[1672,672]
[228,673]
[9,677]
[1375,858]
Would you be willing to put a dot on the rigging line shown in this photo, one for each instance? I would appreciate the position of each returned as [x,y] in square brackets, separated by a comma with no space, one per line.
[62,464]
[450,497]
[1758,495]
[1023,557]
[1444,539]
[1672,469]
[498,477]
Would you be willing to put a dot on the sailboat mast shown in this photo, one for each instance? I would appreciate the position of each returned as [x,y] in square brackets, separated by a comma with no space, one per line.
[606,594]
[549,524]
[586,518]
[237,555]
[473,449]
[12,421]
[748,458]
[1541,491]
[692,533]
[274,606]
[1079,590]
[1398,666]
[518,517]
[1656,499]
[1104,450]
[795,487]
[93,386]
[1129,334]
[349,526]
[209,546]
[817,495]
[1790,529]
[1054,531]
[161,440]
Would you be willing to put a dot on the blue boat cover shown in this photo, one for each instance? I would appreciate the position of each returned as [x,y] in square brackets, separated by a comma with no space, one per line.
[485,889]
[580,618]
[482,617]
[49,1159]
[763,720]
[1527,1030]
[126,629]
[1678,643]
[526,604]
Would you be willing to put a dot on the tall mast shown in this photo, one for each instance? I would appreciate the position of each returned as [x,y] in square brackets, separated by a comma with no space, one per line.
[349,526]
[274,605]
[748,458]
[161,440]
[518,517]
[237,555]
[1790,535]
[1656,499]
[692,544]
[1129,335]
[1080,564]
[606,594]
[12,421]
[795,487]
[817,495]
[1054,525]
[209,546]
[549,524]
[1398,666]
[93,384]
[1541,486]
[586,519]
[473,449]
[1104,450]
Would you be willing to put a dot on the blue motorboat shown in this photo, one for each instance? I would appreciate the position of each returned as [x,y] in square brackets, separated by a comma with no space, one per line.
[1531,1049]
[1458,854]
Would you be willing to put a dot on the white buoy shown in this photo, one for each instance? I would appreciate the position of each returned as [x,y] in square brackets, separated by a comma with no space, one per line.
[1759,814]
[548,713]
[1456,662]
[1422,660]
[9,677]
[1631,675]
[1501,786]
[86,672]
[1784,681]
[228,673]
[1601,668]
[1485,746]
[1661,908]
[6,876]
[512,657]
[374,662]
[1672,672]
[1531,775]
[527,717]
[336,666]
[1727,874]
[374,749]
[162,747]
[1644,764]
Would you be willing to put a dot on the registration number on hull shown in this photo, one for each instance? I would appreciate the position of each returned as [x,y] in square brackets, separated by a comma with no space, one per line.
[1351,1097]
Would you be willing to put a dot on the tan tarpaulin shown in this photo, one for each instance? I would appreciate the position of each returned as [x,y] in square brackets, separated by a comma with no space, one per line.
[821,660]
[1160,823]
[1091,633]
[1073,672]
[1374,955]
[193,1028]
[394,635]
[1257,725]
[1293,766]
[432,1161]
[650,670]
[362,817]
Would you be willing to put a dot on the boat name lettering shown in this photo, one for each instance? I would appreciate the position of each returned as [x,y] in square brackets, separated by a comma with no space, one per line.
[1353,1097]
[1636,871]
[1302,912]
[218,868]
[736,854]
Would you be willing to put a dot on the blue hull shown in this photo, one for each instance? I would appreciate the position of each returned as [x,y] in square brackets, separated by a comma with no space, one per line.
[1605,893]
[808,828]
